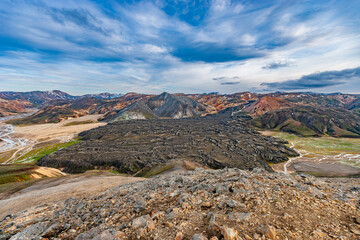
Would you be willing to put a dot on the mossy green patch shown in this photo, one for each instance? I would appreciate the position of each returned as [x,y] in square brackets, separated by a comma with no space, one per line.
[34,155]
[15,173]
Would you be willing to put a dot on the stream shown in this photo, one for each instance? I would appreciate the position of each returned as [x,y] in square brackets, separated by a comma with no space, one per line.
[7,142]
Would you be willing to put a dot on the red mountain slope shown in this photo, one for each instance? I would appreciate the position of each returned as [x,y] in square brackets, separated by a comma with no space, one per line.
[266,104]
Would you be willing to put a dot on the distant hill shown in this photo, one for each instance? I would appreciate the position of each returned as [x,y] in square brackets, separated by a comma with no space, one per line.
[266,104]
[311,121]
[56,106]
[354,105]
[10,107]
[164,105]
[214,102]
[137,110]
[168,105]
[58,111]
[61,110]
[103,95]
[38,97]
[336,100]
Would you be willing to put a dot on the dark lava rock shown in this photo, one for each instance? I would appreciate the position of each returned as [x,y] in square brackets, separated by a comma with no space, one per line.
[138,146]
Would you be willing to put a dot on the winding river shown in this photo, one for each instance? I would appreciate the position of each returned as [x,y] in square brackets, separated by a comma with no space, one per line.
[7,142]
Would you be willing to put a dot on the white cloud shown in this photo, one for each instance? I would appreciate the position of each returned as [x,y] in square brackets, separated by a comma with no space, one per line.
[131,48]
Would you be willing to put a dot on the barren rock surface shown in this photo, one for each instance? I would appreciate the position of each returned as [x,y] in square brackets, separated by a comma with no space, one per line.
[58,189]
[201,204]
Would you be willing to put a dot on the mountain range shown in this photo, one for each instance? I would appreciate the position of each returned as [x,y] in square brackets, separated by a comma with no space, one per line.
[311,121]
[306,114]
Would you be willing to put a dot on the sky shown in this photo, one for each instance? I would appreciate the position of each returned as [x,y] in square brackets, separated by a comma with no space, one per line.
[190,46]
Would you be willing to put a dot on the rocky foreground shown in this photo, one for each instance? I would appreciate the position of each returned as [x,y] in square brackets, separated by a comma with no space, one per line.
[201,204]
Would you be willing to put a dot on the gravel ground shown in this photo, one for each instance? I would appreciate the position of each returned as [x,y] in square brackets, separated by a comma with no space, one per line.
[202,204]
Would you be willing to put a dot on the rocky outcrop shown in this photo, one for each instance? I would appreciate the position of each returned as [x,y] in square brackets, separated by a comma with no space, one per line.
[225,204]
[139,146]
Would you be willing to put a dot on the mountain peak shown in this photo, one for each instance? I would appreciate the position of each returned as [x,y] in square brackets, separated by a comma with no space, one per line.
[165,94]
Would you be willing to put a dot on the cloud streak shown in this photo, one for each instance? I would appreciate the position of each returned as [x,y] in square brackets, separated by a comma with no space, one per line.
[317,80]
[230,83]
[276,65]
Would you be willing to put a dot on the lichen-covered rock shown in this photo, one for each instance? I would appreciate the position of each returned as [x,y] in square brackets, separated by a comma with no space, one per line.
[199,236]
[32,232]
[143,222]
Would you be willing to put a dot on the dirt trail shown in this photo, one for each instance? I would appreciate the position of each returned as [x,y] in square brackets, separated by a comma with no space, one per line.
[59,189]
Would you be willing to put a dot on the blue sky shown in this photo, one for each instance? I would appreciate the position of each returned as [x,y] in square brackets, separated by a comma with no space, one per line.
[84,46]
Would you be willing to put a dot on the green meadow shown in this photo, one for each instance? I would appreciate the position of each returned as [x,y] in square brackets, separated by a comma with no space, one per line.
[34,155]
[346,150]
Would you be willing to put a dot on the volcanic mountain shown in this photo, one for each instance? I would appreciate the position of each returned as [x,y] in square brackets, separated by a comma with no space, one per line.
[60,110]
[9,107]
[215,102]
[38,98]
[312,121]
[137,110]
[354,105]
[164,105]
[105,95]
[56,106]
[266,104]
